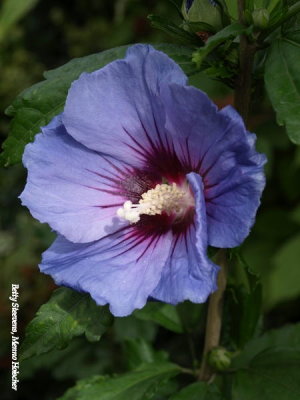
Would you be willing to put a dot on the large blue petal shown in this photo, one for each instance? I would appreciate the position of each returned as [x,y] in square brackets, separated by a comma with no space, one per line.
[117,109]
[70,187]
[121,269]
[223,152]
[189,274]
[235,184]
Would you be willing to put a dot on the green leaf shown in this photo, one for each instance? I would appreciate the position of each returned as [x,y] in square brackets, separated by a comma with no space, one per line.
[133,328]
[66,315]
[227,33]
[293,23]
[36,106]
[270,5]
[165,315]
[192,315]
[79,360]
[140,384]
[199,391]
[175,31]
[12,11]
[195,27]
[282,71]
[283,283]
[272,374]
[139,351]
[243,301]
[268,367]
[288,336]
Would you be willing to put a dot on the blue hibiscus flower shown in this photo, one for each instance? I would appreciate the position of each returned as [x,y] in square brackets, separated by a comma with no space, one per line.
[138,176]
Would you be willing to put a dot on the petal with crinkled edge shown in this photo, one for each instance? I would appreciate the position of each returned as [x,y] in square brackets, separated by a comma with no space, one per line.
[70,187]
[121,269]
[117,110]
[218,147]
[233,197]
[189,274]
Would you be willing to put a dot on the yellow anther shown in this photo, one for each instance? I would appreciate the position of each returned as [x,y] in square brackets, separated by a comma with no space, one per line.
[164,197]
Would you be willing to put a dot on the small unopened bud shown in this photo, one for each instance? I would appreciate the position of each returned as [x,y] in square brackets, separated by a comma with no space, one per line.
[261,18]
[219,358]
[205,11]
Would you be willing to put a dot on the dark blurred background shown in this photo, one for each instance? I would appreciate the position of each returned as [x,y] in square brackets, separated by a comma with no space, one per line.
[46,36]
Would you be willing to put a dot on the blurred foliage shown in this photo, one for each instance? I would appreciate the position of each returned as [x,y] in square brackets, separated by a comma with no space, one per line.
[11,11]
[51,34]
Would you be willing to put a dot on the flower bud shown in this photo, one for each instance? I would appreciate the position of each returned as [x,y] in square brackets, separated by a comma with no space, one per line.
[207,11]
[260,18]
[219,358]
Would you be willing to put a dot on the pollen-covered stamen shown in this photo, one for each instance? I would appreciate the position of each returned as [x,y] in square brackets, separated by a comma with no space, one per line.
[168,198]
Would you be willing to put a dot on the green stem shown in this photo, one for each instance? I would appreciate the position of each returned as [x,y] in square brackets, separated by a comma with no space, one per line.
[243,89]
[242,95]
[242,103]
[241,8]
[214,317]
